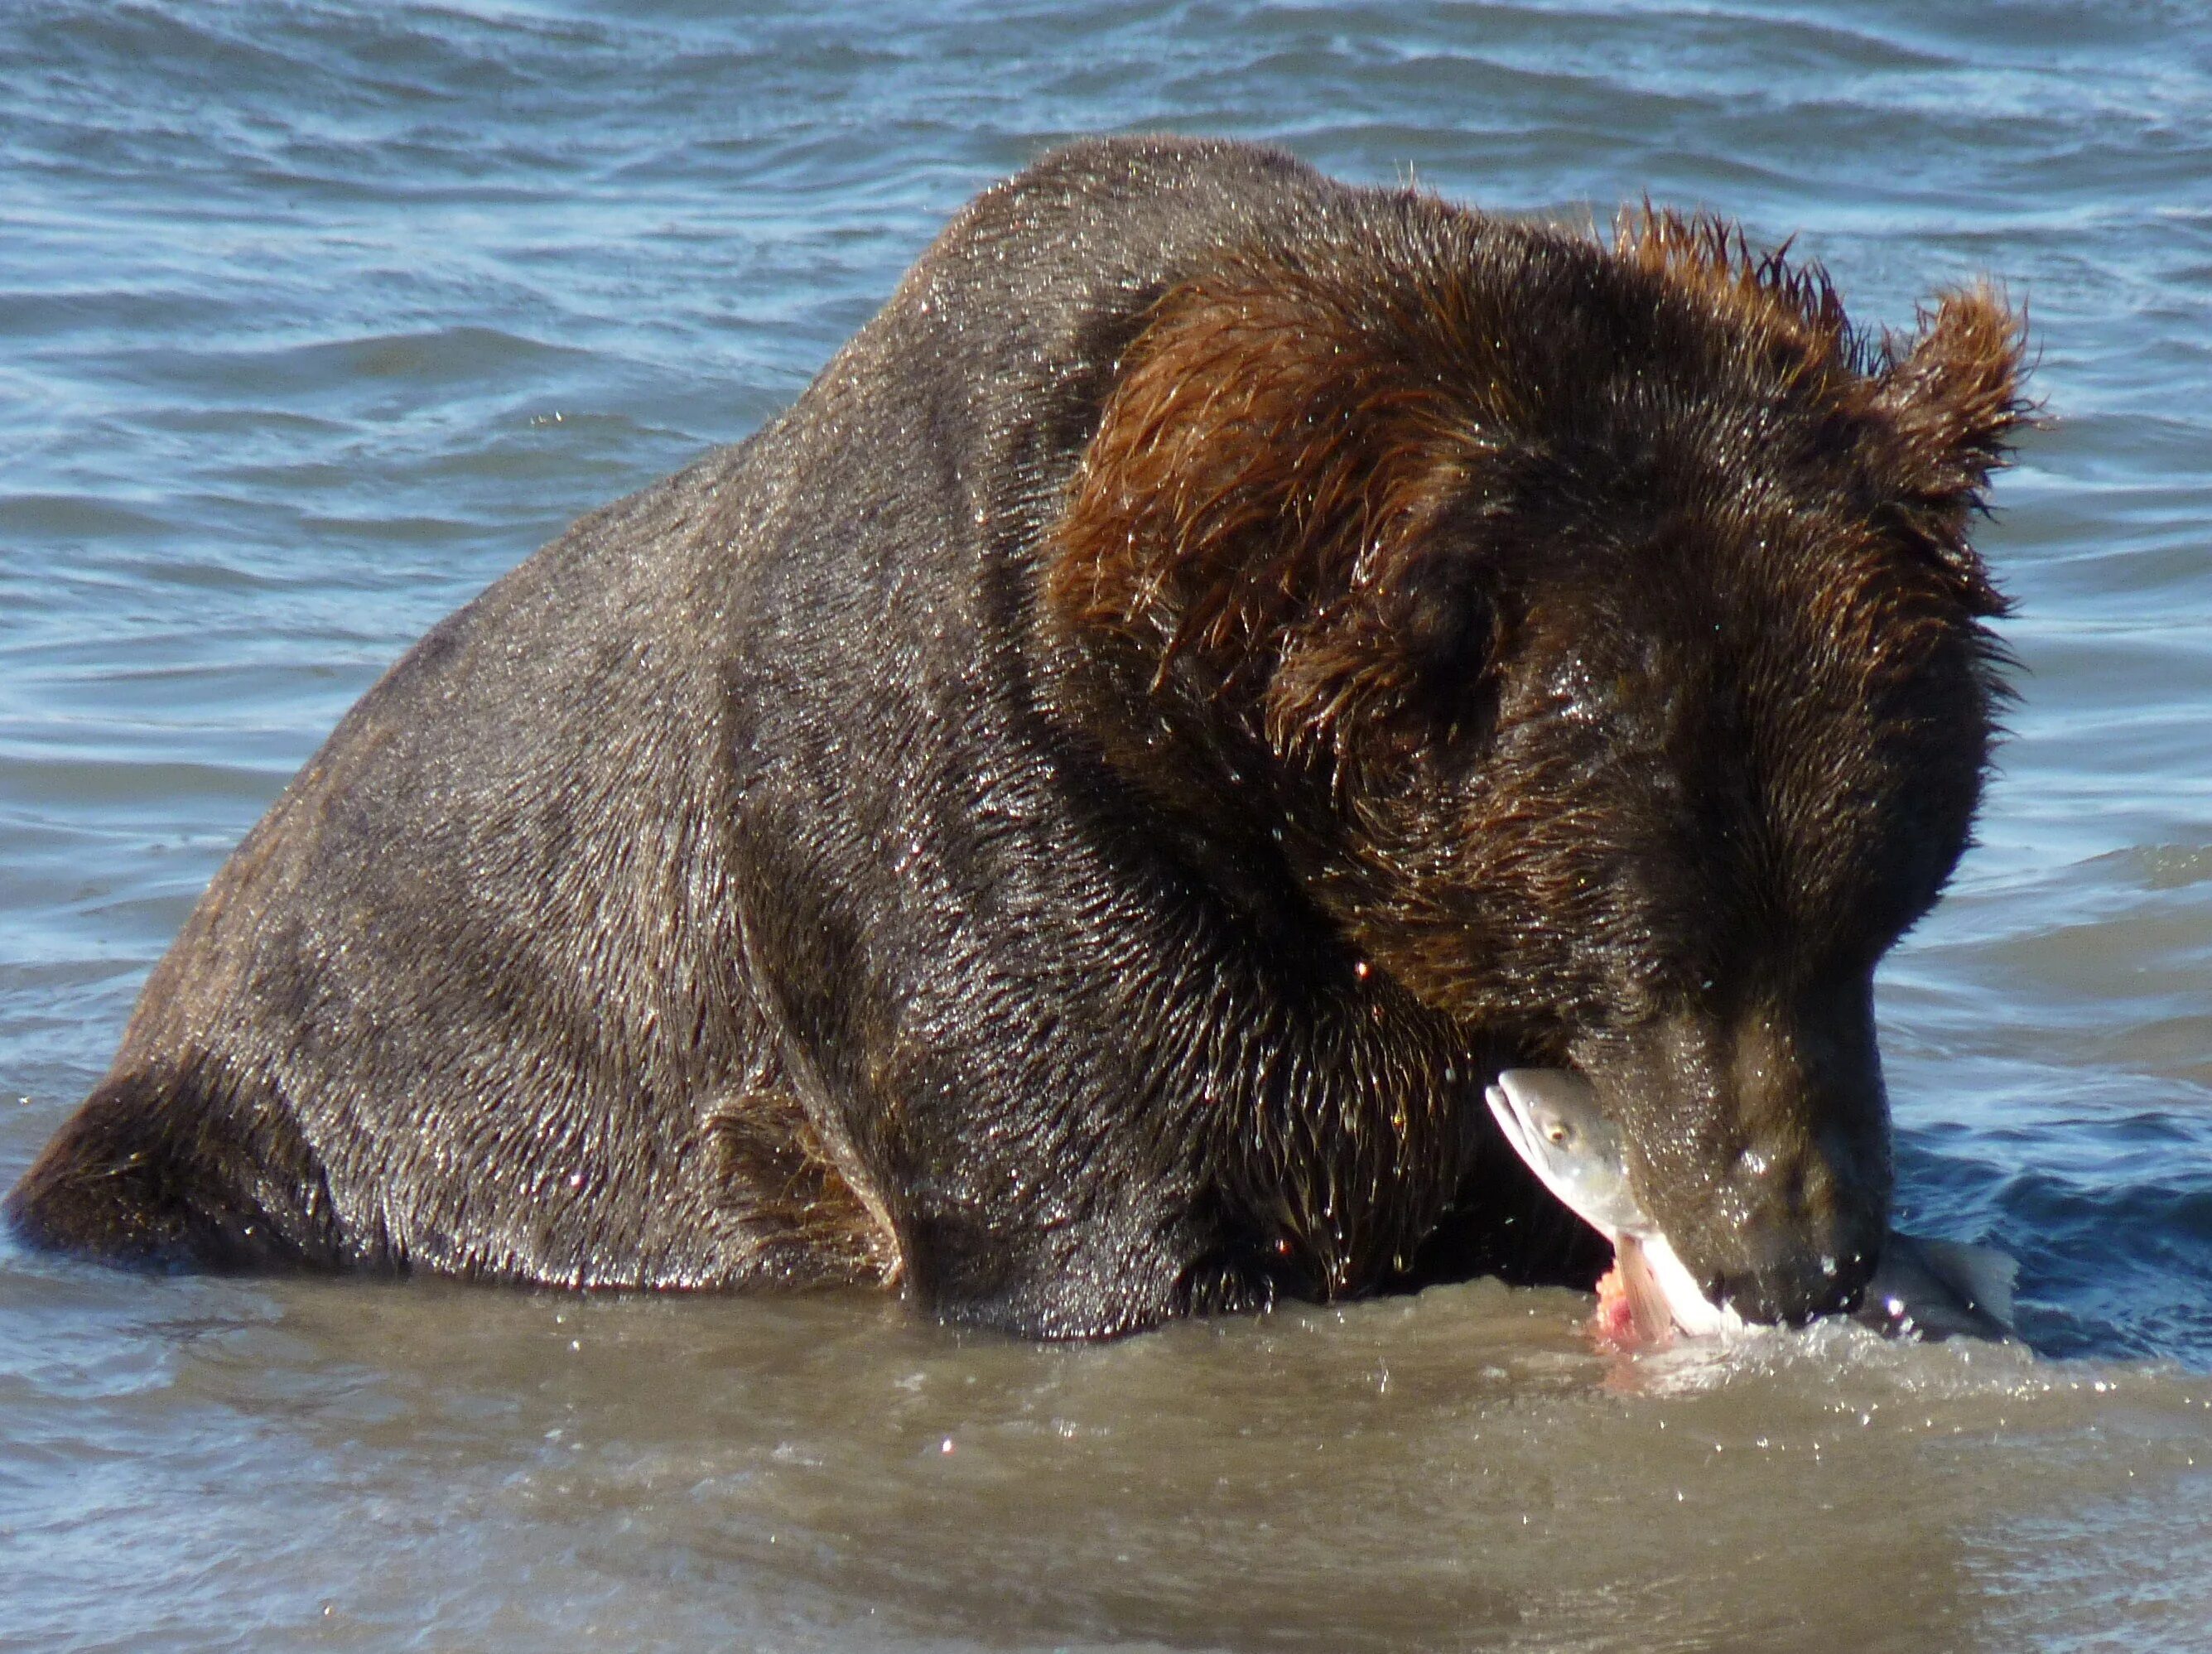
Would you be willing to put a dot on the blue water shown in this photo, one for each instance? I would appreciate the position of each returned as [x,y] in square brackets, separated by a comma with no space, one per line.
[313,318]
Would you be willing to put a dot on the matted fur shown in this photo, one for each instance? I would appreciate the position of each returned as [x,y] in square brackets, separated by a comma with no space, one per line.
[1069,817]
[1275,461]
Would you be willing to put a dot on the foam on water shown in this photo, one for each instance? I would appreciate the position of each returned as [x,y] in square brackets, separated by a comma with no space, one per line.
[317,317]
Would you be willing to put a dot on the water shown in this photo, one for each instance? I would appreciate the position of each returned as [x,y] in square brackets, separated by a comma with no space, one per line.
[316,318]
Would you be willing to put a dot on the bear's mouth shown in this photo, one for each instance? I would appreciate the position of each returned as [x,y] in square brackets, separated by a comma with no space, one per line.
[1551,1117]
[1658,1295]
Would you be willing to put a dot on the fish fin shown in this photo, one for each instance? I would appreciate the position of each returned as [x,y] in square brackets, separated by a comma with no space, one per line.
[1647,1301]
[1982,1275]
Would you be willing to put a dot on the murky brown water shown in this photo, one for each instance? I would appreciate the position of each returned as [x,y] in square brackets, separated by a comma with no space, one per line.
[347,1466]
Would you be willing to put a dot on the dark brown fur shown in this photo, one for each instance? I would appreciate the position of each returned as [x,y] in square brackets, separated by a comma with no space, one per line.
[1070,817]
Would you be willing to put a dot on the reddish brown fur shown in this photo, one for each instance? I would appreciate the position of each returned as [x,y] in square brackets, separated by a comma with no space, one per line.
[1264,473]
[1264,489]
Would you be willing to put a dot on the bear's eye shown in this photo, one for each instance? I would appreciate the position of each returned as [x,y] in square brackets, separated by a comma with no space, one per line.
[1445,629]
[1445,625]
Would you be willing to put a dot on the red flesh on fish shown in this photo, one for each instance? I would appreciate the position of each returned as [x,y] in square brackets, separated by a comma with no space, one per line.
[1632,1307]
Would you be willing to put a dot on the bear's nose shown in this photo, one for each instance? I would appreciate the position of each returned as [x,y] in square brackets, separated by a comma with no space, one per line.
[1792,1289]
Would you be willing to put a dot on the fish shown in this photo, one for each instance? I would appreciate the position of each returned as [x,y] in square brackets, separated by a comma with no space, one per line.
[1922,1288]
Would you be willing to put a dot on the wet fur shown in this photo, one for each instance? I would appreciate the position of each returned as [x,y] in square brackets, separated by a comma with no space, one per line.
[1070,817]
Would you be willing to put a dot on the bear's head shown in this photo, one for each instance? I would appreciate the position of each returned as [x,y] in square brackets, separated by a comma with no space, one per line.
[1591,634]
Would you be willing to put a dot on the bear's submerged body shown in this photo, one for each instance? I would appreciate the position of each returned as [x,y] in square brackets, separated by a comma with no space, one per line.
[1071,817]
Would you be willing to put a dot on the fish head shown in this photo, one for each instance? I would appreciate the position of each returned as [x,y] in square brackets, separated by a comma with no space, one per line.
[1552,1119]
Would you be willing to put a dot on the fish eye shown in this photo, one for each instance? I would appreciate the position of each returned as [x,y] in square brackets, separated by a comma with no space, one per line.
[1559,1134]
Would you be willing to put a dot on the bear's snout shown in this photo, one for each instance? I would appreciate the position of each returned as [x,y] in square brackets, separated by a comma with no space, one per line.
[1761,1145]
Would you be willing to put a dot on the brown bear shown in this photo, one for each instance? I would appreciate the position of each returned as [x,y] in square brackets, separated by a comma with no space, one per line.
[1070,817]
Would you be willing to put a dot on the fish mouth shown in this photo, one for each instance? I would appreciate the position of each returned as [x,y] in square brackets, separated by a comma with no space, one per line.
[1509,1106]
[1656,1292]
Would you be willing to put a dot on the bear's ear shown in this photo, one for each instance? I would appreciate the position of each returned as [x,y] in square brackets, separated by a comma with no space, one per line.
[1951,396]
[1257,512]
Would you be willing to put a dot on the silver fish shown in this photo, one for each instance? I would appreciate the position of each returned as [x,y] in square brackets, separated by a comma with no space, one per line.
[1929,1288]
